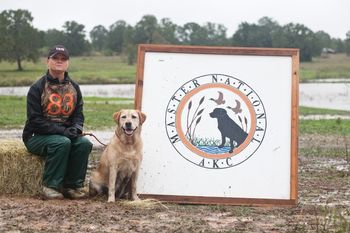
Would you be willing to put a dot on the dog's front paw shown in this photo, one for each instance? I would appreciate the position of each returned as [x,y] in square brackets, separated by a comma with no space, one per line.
[92,190]
[135,198]
[221,146]
[111,199]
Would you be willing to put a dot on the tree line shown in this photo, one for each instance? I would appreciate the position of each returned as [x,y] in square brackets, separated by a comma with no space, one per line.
[19,40]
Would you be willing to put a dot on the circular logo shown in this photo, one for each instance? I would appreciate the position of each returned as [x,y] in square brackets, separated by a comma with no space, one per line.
[215,121]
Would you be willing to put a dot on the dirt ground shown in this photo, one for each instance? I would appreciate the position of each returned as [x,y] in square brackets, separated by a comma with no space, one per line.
[324,205]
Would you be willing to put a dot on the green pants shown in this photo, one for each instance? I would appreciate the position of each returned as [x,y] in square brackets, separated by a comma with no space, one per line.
[66,159]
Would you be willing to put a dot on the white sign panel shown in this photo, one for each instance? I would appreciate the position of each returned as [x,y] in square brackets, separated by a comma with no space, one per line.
[221,124]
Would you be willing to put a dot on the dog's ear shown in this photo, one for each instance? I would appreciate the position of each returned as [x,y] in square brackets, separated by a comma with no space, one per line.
[142,116]
[116,116]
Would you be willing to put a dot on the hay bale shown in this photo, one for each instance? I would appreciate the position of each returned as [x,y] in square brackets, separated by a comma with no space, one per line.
[20,171]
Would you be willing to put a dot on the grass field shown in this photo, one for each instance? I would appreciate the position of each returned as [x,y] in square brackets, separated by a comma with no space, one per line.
[108,70]
[324,127]
[305,111]
[336,66]
[84,70]
[98,115]
[98,111]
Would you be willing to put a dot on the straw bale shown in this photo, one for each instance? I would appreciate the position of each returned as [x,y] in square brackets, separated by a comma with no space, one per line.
[144,204]
[20,171]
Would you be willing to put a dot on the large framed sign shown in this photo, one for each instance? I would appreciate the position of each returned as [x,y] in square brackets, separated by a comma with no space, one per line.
[222,124]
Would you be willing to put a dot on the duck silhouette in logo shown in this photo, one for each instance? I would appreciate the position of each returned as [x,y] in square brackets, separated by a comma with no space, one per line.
[236,109]
[228,129]
[220,100]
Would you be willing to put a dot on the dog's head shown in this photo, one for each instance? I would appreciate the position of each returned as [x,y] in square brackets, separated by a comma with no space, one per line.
[129,120]
[218,112]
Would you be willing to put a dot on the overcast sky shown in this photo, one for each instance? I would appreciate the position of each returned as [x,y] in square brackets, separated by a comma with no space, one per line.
[331,16]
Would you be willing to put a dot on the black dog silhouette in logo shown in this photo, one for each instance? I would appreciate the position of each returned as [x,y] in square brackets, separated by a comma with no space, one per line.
[228,128]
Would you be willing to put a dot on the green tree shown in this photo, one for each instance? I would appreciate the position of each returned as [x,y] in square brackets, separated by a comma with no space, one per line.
[19,40]
[257,35]
[246,35]
[267,31]
[146,30]
[129,48]
[115,37]
[193,34]
[53,37]
[324,39]
[216,34]
[347,43]
[98,36]
[75,38]
[168,31]
[298,36]
[338,45]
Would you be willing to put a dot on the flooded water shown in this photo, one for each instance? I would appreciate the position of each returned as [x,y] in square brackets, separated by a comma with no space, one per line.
[318,95]
[325,95]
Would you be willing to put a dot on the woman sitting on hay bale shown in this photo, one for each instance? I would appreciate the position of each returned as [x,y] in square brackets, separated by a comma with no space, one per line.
[53,128]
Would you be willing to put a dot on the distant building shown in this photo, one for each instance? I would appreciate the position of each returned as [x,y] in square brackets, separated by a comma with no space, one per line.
[326,51]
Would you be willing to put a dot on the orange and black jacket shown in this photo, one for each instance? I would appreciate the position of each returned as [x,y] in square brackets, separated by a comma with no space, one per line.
[53,106]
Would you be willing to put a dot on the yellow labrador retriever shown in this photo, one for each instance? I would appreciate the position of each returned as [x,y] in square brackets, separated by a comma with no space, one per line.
[120,161]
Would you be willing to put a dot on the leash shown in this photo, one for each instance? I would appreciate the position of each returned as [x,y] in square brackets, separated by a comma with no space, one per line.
[92,135]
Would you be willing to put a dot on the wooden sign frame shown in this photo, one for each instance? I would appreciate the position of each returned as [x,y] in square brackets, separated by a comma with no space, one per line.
[161,67]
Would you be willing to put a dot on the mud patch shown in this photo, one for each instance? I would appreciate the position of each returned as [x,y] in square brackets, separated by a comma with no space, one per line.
[324,206]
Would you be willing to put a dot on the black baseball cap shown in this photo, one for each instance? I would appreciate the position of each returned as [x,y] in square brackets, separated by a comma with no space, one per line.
[58,49]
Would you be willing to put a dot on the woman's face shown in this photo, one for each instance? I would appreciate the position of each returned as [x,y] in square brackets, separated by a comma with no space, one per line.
[58,63]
